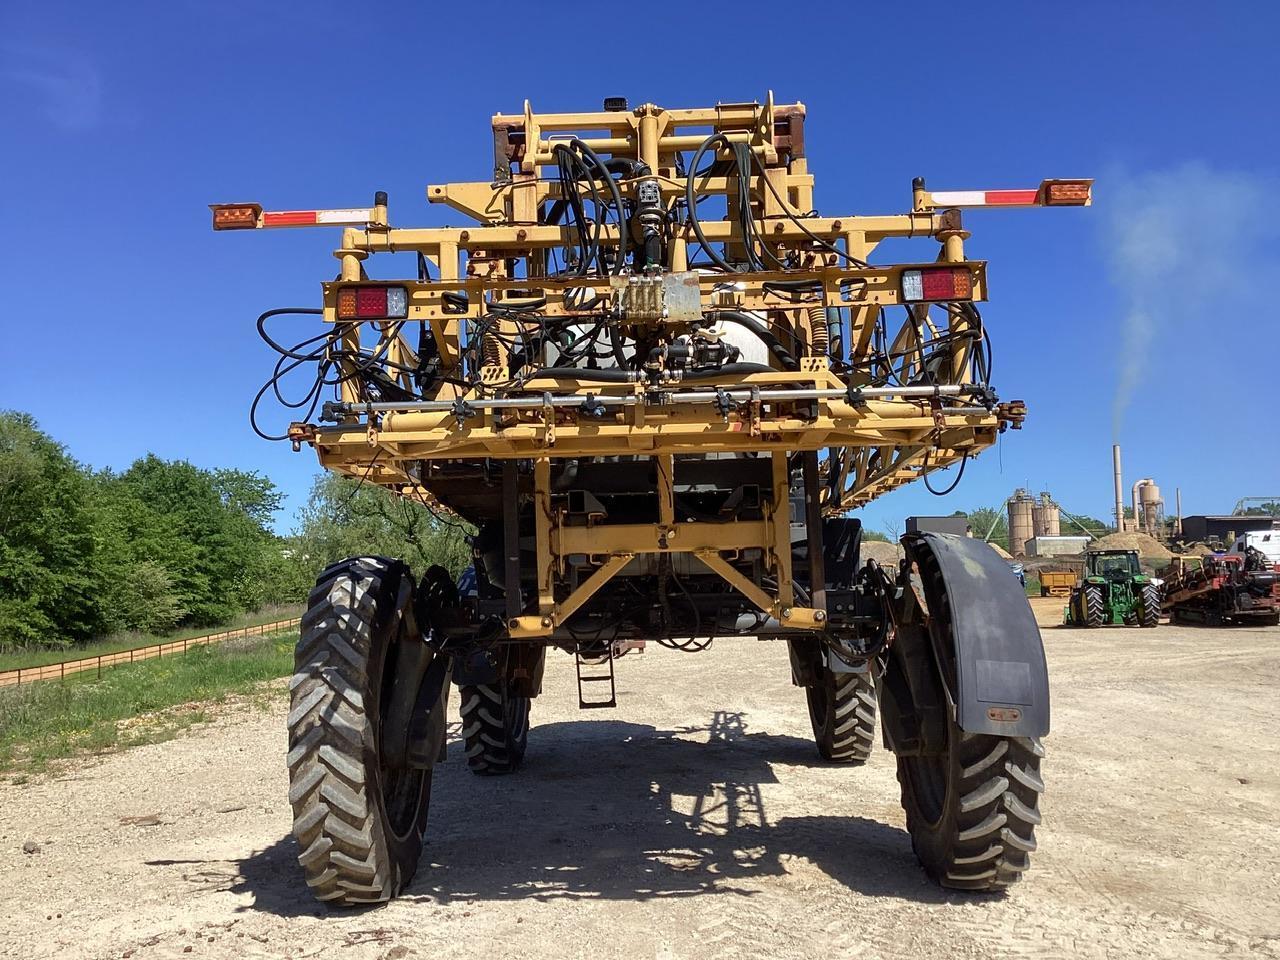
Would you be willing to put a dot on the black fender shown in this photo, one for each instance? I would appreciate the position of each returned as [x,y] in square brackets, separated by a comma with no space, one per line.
[413,727]
[995,671]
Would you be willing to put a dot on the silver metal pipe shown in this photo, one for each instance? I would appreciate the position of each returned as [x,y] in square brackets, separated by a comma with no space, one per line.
[740,394]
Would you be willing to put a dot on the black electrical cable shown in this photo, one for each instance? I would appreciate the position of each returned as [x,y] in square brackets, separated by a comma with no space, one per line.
[786,208]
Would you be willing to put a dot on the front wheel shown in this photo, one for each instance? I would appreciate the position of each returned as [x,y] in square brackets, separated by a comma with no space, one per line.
[1091,613]
[972,812]
[358,823]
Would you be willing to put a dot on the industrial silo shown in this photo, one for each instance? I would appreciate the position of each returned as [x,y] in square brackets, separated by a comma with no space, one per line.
[1021,521]
[1047,517]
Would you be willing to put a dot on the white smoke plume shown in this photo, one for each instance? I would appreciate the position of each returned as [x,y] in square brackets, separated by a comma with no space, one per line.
[1186,246]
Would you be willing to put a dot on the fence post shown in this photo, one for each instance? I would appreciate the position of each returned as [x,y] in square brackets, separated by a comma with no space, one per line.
[99,666]
[62,670]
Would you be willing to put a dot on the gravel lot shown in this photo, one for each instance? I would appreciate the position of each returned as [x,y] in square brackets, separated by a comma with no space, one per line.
[695,820]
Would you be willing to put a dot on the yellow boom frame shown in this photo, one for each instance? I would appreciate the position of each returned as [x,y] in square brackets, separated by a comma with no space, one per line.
[876,437]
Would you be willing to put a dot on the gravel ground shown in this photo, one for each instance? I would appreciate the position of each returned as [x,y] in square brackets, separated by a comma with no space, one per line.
[695,820]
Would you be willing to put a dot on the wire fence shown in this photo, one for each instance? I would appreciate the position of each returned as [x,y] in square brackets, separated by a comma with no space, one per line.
[156,651]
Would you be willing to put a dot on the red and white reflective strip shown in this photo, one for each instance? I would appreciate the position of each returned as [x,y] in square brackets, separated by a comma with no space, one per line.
[985,198]
[310,218]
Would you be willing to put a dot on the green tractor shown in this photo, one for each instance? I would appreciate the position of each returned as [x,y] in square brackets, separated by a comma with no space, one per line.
[1114,590]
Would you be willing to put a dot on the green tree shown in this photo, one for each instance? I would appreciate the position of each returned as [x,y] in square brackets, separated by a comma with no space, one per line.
[1076,525]
[991,519]
[143,598]
[1268,509]
[249,492]
[344,518]
[49,577]
[204,529]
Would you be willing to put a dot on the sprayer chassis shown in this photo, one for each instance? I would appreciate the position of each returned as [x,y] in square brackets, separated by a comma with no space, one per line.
[671,491]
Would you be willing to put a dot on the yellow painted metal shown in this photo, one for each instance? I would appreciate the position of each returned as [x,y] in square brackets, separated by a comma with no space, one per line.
[546,622]
[505,257]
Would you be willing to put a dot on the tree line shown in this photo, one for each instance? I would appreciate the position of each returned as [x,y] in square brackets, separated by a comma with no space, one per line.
[87,553]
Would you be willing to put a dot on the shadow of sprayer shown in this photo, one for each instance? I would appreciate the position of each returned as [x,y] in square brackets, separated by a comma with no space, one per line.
[617,810]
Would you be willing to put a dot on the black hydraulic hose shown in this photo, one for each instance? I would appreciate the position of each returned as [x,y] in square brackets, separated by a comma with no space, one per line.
[279,348]
[573,169]
[760,330]
[592,158]
[691,202]
[954,483]
[627,167]
[615,342]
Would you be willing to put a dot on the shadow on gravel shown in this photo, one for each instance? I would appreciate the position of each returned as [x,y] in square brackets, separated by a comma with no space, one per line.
[617,810]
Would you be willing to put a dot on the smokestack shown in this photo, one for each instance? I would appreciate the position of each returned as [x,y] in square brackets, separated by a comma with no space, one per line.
[1177,496]
[1115,459]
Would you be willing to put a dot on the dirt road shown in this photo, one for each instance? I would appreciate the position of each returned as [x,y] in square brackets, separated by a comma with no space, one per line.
[696,821]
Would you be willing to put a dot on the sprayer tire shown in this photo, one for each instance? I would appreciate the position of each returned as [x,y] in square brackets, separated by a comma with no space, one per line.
[358,826]
[842,710]
[495,728]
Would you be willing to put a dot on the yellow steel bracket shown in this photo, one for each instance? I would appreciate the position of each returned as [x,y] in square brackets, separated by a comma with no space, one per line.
[801,617]
[543,625]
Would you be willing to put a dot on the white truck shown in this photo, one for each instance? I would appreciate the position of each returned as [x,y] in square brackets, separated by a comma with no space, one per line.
[1266,542]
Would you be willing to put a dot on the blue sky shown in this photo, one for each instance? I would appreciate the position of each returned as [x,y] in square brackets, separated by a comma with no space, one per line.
[128,325]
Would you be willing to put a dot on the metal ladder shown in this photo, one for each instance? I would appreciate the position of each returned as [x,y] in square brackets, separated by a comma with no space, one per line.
[583,702]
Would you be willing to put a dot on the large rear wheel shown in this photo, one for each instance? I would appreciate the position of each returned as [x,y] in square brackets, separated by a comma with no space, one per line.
[972,800]
[358,823]
[972,812]
[1149,614]
[495,727]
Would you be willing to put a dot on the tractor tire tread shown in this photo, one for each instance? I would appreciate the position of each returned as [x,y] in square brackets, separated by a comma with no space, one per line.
[987,837]
[343,847]
[492,747]
[845,732]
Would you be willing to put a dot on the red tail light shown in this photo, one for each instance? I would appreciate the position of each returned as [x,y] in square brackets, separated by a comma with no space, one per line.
[373,303]
[937,283]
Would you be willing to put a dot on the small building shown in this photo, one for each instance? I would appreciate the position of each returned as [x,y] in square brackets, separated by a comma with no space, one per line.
[957,525]
[1225,529]
[1056,546]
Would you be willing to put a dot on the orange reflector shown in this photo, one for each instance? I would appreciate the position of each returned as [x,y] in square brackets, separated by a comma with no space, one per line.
[235,216]
[347,303]
[1004,714]
[1066,193]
